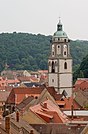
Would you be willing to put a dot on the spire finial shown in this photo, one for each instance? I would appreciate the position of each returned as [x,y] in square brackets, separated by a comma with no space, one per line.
[59,20]
[59,25]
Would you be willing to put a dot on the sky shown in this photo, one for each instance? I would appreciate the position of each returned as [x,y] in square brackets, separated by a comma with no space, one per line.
[42,16]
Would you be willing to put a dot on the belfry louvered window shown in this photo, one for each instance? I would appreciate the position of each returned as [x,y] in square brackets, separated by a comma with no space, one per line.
[53,67]
[65,65]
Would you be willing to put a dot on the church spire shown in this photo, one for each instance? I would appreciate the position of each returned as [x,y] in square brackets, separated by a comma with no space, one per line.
[59,25]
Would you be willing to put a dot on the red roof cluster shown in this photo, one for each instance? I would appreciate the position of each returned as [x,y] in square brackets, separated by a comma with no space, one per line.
[81,84]
[49,112]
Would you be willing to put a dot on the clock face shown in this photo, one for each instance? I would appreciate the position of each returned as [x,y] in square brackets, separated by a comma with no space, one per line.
[65,46]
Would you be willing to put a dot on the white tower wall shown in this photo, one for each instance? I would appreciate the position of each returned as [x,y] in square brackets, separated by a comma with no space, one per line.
[60,63]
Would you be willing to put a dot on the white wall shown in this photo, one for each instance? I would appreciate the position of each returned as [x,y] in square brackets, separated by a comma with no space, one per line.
[61,65]
[54,77]
[65,80]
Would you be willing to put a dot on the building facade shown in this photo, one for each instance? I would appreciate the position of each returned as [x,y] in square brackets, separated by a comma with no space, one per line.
[60,62]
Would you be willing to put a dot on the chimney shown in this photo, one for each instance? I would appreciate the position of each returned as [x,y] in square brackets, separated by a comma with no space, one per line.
[7,124]
[45,105]
[31,132]
[72,108]
[17,116]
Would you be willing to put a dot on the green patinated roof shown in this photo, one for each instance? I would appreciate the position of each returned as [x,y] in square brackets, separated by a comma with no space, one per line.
[60,34]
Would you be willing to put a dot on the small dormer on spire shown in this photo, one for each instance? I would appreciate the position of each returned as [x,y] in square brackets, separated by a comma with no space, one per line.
[59,25]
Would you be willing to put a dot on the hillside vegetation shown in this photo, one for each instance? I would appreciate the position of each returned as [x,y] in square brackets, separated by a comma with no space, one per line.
[82,71]
[27,51]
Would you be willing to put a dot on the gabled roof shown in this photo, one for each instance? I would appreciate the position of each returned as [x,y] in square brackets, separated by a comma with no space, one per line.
[81,84]
[79,81]
[81,97]
[22,90]
[25,90]
[55,95]
[44,96]
[22,124]
[33,118]
[41,112]
[36,91]
[13,81]
[57,128]
[24,103]
[68,103]
[23,78]
[48,109]
[27,78]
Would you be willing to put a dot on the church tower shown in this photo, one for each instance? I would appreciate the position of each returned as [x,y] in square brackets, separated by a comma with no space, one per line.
[60,62]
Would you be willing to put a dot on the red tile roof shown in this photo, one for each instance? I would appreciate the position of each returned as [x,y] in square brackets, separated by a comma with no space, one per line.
[83,85]
[13,81]
[24,103]
[28,78]
[69,102]
[79,82]
[18,94]
[48,110]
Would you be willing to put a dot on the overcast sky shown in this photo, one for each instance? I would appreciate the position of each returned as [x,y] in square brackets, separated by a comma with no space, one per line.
[41,16]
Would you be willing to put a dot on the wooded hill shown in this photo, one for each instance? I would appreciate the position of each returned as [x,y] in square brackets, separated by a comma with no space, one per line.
[82,71]
[27,51]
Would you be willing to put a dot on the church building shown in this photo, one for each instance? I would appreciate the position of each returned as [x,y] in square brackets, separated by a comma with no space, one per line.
[60,62]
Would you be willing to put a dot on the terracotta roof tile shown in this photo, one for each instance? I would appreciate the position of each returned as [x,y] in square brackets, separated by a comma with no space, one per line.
[81,84]
[51,109]
[18,94]
[25,102]
[69,102]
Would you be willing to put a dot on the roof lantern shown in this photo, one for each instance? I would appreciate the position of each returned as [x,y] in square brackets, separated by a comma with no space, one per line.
[60,32]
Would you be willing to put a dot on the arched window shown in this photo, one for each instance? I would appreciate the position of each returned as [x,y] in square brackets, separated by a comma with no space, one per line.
[53,67]
[53,53]
[64,52]
[64,40]
[65,65]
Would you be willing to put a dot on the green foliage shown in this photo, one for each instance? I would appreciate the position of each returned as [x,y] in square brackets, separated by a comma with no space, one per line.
[82,71]
[27,51]
[24,51]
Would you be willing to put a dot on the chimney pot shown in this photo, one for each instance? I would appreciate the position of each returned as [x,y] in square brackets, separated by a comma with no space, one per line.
[31,132]
[45,105]
[17,116]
